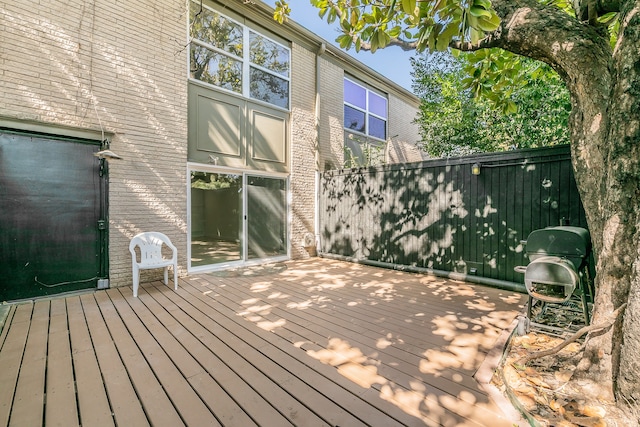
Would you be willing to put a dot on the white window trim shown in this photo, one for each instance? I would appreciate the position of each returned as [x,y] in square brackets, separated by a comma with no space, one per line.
[201,167]
[246,63]
[366,112]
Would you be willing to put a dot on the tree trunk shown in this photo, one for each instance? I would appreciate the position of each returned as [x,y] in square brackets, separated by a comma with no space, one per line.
[605,140]
[620,255]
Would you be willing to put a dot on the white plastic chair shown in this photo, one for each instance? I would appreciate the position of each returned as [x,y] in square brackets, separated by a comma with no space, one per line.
[150,244]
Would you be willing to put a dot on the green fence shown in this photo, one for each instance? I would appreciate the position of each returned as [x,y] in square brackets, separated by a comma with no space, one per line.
[438,215]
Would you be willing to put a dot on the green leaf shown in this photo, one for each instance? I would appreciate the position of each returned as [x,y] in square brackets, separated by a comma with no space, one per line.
[374,43]
[345,41]
[383,38]
[479,12]
[475,35]
[607,18]
[511,108]
[409,6]
[486,4]
[444,38]
[391,11]
[395,32]
[489,24]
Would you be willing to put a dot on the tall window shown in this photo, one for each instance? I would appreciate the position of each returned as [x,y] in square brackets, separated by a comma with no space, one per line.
[365,111]
[229,55]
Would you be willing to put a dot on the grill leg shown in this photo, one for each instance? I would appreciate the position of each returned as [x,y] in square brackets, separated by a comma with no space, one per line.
[585,300]
[529,307]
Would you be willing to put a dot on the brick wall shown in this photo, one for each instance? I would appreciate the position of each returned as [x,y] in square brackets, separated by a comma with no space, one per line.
[403,132]
[119,65]
[303,148]
[331,115]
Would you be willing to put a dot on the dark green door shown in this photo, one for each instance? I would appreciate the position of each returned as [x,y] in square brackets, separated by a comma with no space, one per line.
[51,202]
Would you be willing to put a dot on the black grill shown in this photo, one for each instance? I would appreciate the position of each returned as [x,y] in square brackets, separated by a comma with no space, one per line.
[559,265]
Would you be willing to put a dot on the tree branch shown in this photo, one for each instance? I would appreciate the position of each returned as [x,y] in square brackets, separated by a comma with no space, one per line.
[590,328]
[402,44]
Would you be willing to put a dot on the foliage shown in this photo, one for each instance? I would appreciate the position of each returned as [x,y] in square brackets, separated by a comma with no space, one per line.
[363,152]
[212,181]
[455,122]
[374,24]
[438,25]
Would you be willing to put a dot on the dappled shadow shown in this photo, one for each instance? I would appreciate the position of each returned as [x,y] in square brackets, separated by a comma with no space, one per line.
[91,80]
[416,340]
[437,215]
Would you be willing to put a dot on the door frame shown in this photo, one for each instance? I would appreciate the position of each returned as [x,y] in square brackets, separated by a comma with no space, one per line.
[98,141]
[244,261]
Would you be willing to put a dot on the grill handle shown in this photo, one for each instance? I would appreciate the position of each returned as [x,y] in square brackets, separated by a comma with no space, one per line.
[520,269]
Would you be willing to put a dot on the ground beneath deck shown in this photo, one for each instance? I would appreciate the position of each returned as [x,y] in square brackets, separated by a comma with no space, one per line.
[304,343]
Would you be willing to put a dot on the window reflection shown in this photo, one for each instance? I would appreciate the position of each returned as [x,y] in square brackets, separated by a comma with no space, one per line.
[217,57]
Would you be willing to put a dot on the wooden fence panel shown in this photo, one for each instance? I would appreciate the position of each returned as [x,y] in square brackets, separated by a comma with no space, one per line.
[437,215]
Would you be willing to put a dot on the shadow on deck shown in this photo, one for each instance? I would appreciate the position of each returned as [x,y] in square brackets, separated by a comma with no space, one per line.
[305,343]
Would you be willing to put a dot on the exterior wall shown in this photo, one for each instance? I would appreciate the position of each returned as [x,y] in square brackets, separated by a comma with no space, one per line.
[404,134]
[121,69]
[402,148]
[331,115]
[303,149]
[87,65]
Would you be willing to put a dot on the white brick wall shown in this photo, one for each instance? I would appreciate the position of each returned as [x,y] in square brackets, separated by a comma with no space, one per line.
[331,115]
[402,148]
[120,64]
[303,148]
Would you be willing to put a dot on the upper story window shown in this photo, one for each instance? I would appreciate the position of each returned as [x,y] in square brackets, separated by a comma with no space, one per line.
[229,55]
[365,111]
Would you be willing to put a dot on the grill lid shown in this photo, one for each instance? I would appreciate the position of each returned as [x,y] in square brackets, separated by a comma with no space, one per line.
[551,279]
[573,243]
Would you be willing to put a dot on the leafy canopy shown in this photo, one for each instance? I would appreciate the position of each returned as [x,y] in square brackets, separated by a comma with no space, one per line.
[412,24]
[453,122]
[436,25]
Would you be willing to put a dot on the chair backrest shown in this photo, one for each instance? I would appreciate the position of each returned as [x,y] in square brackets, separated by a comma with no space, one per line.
[150,244]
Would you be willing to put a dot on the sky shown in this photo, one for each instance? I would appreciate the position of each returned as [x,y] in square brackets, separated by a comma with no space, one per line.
[391,62]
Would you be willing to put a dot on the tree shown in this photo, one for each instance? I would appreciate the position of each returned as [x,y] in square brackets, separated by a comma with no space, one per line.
[454,122]
[603,80]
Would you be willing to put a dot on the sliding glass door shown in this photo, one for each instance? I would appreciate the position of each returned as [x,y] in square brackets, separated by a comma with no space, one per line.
[236,218]
[266,217]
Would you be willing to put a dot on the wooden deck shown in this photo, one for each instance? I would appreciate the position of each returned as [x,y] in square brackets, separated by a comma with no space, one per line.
[306,343]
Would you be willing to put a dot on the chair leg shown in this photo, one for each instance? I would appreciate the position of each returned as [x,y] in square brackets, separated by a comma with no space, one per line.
[175,277]
[166,275]
[136,281]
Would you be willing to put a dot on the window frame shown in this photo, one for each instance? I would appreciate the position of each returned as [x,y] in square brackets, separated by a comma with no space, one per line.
[245,61]
[366,111]
[244,232]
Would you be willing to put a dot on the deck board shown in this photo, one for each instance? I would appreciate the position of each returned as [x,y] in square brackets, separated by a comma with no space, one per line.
[93,403]
[305,343]
[188,404]
[349,360]
[288,371]
[365,354]
[157,405]
[234,401]
[125,404]
[242,352]
[60,408]
[17,330]
[28,403]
